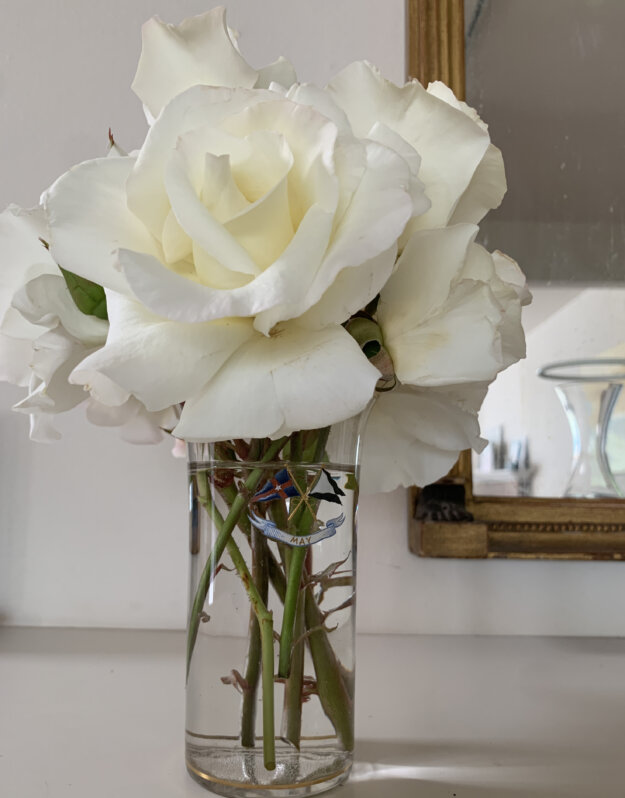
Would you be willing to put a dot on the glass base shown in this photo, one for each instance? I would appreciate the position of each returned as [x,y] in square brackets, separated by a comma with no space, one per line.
[239,772]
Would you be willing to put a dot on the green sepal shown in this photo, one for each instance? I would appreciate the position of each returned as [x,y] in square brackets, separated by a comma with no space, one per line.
[367,333]
[88,297]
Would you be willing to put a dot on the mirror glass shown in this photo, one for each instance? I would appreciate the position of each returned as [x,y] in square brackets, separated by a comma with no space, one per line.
[548,78]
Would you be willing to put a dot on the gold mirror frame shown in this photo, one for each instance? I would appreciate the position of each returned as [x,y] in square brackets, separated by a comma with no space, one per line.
[447,519]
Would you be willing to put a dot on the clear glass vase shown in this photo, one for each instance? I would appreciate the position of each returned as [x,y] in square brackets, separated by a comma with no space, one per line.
[589,390]
[270,652]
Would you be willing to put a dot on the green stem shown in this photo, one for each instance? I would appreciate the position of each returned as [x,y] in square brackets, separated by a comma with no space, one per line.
[229,495]
[275,572]
[292,711]
[302,520]
[294,580]
[276,576]
[334,694]
[280,517]
[253,666]
[265,622]
[322,440]
[224,534]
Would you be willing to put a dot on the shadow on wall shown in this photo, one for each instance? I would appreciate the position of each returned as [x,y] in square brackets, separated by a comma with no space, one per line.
[15,500]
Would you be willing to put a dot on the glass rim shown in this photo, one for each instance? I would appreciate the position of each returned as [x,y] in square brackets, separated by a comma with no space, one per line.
[558,370]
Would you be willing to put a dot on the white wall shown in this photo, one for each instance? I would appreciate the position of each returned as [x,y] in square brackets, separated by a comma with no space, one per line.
[93,531]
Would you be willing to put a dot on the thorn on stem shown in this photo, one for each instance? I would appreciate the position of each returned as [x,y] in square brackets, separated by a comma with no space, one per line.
[239,683]
[347,603]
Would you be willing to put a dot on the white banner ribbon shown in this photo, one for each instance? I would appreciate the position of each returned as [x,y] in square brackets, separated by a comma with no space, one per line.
[270,530]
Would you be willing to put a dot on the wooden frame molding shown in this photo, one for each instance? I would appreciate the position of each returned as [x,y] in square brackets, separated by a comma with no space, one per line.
[447,520]
[436,42]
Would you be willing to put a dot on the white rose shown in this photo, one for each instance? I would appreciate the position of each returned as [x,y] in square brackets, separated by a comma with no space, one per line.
[232,249]
[451,320]
[447,315]
[44,336]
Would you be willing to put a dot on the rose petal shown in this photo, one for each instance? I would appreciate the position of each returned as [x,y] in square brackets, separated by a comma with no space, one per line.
[139,344]
[422,281]
[176,244]
[507,283]
[311,139]
[55,355]
[22,255]
[321,100]
[179,449]
[280,71]
[442,91]
[137,425]
[450,143]
[199,223]
[439,328]
[508,270]
[42,429]
[414,436]
[141,429]
[89,221]
[370,225]
[220,193]
[488,184]
[384,135]
[198,107]
[462,345]
[15,359]
[296,379]
[199,51]
[16,326]
[264,229]
[351,291]
[47,302]
[101,388]
[485,191]
[177,298]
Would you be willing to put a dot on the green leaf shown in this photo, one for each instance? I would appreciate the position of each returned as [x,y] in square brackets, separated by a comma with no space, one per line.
[351,483]
[88,297]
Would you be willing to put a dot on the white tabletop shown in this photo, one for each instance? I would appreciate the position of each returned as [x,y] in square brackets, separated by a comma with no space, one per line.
[99,714]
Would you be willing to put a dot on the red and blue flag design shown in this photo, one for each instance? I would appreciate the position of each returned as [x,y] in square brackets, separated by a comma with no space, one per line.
[280,486]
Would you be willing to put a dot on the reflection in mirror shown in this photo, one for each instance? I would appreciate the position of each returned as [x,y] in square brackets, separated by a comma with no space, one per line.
[548,77]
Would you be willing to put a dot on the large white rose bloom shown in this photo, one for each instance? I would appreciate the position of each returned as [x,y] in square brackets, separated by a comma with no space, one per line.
[233,246]
[44,336]
[259,215]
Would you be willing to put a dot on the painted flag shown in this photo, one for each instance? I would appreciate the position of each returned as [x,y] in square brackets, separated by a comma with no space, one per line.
[327,488]
[279,486]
